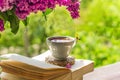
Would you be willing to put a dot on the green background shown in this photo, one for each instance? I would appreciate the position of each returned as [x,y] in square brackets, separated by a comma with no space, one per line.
[98,30]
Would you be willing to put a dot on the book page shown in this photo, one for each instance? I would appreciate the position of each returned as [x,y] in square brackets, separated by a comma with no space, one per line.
[30,61]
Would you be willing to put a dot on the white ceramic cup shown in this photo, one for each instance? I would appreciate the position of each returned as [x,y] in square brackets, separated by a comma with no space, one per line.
[60,46]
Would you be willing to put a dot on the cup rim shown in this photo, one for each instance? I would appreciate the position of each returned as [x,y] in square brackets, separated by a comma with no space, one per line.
[72,39]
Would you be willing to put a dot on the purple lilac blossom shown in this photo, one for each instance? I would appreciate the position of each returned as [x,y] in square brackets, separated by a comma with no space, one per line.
[6,5]
[68,65]
[42,5]
[33,1]
[51,4]
[1,2]
[73,8]
[24,7]
[1,25]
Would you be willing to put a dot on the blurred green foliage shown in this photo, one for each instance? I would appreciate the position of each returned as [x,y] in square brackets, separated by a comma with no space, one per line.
[98,29]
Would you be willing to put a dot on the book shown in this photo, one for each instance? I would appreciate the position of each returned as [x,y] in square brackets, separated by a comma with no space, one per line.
[36,67]
[31,69]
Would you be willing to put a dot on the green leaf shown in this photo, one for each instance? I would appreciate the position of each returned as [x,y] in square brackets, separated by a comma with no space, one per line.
[10,12]
[14,23]
[45,13]
[44,16]
[26,21]
[48,11]
[4,16]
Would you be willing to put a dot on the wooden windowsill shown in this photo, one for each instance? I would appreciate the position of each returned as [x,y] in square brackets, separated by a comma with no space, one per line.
[109,72]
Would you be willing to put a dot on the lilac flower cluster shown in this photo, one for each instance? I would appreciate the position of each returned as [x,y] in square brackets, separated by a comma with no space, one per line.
[68,66]
[24,7]
[1,25]
[6,5]
[73,8]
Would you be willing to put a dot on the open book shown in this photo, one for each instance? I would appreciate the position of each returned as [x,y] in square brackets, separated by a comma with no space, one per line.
[31,69]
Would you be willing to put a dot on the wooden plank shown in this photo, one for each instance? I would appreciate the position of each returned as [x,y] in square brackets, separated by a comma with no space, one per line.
[109,72]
